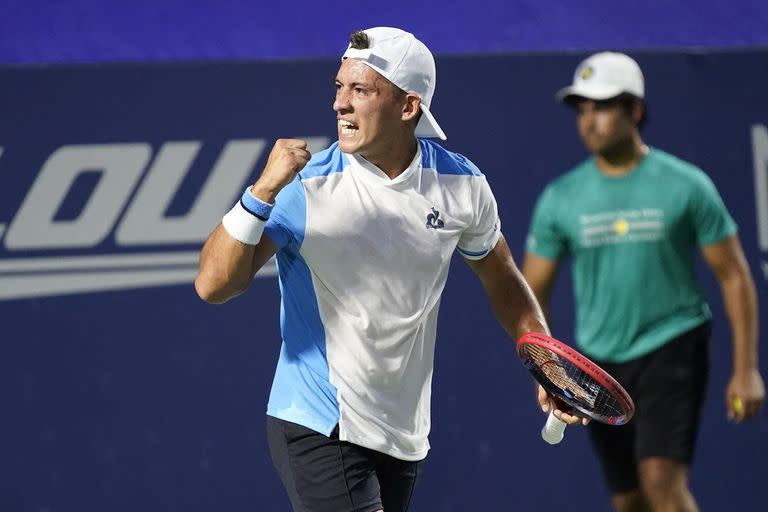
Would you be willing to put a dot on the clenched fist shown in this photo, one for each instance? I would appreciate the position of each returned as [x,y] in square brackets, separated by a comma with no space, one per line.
[287,158]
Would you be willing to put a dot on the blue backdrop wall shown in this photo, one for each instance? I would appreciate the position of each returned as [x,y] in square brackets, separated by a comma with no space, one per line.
[33,31]
[122,391]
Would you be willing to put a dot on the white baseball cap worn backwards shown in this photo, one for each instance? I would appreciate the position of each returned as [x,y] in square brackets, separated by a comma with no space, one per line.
[406,62]
[603,76]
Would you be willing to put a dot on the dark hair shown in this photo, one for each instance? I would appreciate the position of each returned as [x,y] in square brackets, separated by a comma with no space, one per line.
[359,40]
[625,101]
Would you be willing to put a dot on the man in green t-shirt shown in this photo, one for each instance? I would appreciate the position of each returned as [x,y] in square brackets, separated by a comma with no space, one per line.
[631,218]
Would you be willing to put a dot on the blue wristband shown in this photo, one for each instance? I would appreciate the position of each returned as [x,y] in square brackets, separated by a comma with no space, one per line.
[255,206]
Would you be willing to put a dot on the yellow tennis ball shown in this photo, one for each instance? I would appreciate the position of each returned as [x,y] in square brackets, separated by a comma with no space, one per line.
[738,405]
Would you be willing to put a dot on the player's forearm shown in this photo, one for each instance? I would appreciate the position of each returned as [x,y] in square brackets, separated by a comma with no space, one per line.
[540,273]
[511,298]
[225,267]
[542,296]
[516,307]
[740,300]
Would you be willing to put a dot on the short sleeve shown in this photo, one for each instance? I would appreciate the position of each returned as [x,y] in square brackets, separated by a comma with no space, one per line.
[481,235]
[711,219]
[545,237]
[287,222]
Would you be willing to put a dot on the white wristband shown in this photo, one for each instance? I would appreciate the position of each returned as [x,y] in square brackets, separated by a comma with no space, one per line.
[243,225]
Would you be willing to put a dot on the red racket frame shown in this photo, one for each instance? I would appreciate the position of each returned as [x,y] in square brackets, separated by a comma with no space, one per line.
[583,363]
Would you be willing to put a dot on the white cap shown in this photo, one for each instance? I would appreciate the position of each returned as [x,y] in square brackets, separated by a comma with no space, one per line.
[604,76]
[406,62]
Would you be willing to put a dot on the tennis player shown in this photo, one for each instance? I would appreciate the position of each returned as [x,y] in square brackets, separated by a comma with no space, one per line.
[632,218]
[363,232]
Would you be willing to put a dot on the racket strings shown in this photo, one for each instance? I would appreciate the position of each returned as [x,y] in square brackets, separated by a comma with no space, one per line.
[573,382]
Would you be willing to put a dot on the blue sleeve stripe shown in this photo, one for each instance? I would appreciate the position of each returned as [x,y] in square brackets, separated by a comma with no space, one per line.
[470,253]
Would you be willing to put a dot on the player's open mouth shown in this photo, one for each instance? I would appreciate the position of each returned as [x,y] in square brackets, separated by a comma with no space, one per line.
[347,128]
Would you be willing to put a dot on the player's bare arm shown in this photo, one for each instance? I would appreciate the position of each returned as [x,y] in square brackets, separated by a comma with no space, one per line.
[746,391]
[540,274]
[227,265]
[513,302]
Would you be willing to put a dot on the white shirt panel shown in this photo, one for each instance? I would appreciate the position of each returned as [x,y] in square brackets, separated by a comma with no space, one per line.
[378,272]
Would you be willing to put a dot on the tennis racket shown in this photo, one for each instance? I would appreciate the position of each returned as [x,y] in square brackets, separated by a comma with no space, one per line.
[574,382]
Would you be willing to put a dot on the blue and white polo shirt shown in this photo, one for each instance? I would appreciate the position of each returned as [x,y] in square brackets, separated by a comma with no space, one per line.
[362,263]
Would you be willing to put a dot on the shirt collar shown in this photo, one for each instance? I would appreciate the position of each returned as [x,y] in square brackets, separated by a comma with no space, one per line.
[369,171]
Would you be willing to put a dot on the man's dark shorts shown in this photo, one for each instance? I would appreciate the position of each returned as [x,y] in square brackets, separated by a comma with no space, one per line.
[668,387]
[323,474]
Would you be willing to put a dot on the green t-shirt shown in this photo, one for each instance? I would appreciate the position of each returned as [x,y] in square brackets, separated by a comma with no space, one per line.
[633,241]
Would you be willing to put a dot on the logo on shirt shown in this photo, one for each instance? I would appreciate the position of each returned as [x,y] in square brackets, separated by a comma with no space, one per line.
[621,226]
[434,221]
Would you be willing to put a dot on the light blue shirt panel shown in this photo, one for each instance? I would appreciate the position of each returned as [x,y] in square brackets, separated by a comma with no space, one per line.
[434,156]
[301,390]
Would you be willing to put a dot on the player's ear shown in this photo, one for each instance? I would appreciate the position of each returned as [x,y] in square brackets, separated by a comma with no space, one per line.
[411,107]
[638,110]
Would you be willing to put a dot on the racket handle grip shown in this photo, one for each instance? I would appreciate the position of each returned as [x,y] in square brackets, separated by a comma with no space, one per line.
[553,429]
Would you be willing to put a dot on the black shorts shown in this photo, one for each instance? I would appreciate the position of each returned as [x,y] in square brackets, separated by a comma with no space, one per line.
[323,474]
[668,387]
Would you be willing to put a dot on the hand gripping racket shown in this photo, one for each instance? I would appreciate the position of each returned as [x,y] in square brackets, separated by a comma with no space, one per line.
[574,382]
